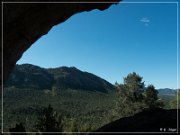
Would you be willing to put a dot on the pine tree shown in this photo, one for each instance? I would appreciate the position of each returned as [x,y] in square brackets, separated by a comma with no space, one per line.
[134,85]
[151,97]
[49,121]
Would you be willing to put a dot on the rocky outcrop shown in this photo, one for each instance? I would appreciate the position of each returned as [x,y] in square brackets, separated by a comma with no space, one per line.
[24,23]
[156,120]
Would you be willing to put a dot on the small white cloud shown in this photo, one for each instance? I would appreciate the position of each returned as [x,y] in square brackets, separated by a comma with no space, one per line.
[145,20]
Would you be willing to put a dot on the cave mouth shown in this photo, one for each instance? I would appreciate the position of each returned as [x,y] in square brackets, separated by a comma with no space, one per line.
[87,51]
[20,31]
[29,102]
[77,43]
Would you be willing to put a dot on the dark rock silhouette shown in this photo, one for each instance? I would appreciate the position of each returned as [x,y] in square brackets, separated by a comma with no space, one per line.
[24,23]
[155,120]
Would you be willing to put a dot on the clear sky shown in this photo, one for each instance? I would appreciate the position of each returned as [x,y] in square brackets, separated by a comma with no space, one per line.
[125,38]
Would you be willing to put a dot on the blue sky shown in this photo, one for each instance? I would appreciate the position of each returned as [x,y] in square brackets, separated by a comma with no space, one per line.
[125,38]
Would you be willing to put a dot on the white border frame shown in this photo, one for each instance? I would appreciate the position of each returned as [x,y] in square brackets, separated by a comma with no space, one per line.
[121,2]
[2,69]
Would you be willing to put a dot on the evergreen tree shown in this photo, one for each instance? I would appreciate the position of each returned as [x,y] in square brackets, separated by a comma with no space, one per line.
[123,93]
[130,95]
[49,121]
[134,83]
[151,97]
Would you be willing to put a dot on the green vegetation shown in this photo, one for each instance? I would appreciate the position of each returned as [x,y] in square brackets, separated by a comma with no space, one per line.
[27,76]
[151,97]
[76,110]
[48,121]
[133,83]
[173,102]
[134,91]
[169,98]
[80,110]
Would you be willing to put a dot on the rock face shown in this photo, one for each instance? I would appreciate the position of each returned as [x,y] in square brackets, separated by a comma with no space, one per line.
[155,120]
[24,23]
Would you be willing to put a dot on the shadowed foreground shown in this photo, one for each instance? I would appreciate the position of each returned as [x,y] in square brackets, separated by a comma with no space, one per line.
[156,120]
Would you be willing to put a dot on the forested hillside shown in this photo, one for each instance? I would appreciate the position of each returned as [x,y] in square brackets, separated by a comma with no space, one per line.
[31,76]
[69,100]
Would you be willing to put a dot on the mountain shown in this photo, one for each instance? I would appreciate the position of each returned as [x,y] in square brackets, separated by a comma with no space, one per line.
[167,94]
[167,91]
[31,76]
[72,77]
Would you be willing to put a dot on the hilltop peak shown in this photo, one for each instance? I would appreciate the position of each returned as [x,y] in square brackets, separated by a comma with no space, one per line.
[32,76]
